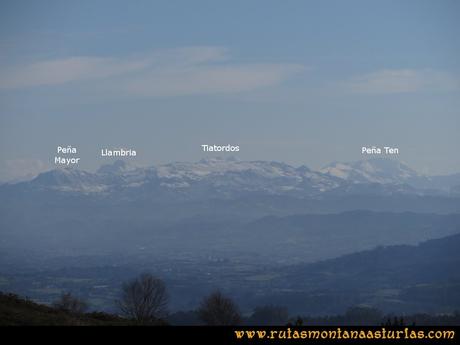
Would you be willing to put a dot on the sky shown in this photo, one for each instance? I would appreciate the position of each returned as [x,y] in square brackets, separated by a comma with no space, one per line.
[302,82]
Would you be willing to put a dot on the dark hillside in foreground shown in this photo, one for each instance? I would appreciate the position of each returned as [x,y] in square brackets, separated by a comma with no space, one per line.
[16,311]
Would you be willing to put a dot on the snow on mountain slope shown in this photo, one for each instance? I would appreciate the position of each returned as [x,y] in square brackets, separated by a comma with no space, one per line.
[371,171]
[118,167]
[228,174]
[216,166]
[69,180]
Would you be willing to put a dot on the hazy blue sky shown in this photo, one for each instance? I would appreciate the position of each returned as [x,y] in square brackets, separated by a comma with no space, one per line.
[304,82]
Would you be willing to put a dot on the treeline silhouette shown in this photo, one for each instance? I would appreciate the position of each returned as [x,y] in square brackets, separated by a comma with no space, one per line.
[144,301]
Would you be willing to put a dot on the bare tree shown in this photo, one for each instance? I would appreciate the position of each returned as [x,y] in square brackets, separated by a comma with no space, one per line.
[144,298]
[70,303]
[218,310]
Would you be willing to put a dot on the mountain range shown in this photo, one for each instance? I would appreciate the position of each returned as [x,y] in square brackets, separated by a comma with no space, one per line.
[229,178]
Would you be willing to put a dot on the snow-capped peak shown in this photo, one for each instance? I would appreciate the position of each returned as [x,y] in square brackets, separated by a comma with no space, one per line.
[371,171]
[117,167]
